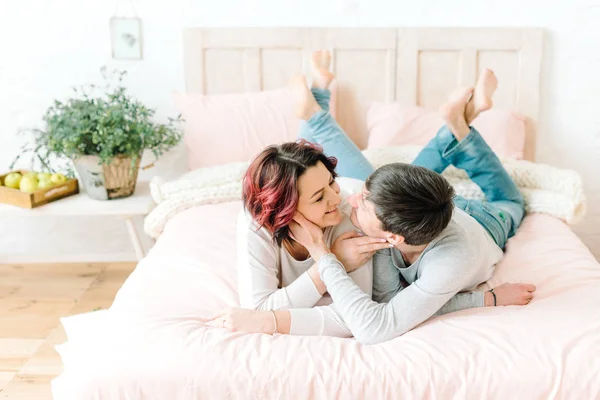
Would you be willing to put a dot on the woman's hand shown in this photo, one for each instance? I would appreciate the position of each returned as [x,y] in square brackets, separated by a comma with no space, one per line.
[511,294]
[243,320]
[309,235]
[353,249]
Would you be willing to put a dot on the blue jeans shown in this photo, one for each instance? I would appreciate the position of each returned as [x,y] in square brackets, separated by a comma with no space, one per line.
[323,129]
[500,215]
[502,212]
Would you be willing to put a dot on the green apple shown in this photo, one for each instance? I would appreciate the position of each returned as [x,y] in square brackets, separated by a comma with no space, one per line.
[12,180]
[28,184]
[44,183]
[31,174]
[43,175]
[57,179]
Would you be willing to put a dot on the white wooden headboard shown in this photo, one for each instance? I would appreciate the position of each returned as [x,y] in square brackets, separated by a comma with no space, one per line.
[416,66]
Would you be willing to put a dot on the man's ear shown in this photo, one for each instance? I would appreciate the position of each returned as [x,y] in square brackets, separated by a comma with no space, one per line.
[394,239]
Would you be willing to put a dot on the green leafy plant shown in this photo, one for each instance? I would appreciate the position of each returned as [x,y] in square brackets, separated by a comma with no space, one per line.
[106,124]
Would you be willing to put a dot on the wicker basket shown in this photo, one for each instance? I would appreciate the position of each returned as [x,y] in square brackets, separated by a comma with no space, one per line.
[120,177]
[109,181]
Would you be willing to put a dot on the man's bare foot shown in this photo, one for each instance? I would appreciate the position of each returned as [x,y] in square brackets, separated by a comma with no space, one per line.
[319,63]
[454,112]
[482,95]
[306,105]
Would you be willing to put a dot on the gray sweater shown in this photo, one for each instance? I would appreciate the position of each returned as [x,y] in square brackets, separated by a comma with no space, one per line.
[461,258]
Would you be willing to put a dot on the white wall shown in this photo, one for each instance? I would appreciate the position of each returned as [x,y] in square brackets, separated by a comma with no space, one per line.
[48,46]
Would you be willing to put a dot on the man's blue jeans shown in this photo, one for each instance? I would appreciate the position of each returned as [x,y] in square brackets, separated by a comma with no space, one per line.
[502,212]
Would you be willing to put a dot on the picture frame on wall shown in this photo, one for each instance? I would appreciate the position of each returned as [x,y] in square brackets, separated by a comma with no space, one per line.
[126,38]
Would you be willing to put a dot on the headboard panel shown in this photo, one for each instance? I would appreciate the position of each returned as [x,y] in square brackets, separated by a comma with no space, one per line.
[416,66]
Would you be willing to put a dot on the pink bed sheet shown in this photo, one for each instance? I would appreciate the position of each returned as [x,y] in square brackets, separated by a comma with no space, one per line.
[152,343]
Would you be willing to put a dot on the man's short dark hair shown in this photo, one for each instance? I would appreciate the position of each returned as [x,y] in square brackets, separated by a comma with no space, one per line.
[411,201]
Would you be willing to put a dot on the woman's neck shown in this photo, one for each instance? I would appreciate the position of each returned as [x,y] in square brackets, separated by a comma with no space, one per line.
[296,250]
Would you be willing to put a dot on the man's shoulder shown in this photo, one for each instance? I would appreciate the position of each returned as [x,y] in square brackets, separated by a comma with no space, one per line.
[449,264]
[461,246]
[456,235]
[449,250]
[453,247]
[461,231]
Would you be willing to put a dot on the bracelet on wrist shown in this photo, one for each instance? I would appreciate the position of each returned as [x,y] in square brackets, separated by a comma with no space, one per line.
[494,295]
[274,321]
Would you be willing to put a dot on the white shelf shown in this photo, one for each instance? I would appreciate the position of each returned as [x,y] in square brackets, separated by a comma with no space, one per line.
[140,203]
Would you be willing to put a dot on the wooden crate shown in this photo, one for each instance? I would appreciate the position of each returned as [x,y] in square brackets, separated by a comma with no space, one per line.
[39,197]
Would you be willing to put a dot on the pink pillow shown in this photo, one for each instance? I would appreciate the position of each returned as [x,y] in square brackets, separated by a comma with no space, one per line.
[226,128]
[392,124]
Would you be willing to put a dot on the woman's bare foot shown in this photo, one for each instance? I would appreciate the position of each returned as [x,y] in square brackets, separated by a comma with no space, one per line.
[482,95]
[454,112]
[306,105]
[319,63]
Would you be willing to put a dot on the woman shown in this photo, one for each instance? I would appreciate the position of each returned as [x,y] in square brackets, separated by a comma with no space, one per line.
[278,280]
[274,271]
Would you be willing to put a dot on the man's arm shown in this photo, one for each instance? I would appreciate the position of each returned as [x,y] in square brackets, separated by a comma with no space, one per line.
[386,277]
[371,322]
[463,301]
[387,282]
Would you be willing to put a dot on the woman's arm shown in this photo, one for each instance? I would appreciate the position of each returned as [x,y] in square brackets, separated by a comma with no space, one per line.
[259,276]
[316,321]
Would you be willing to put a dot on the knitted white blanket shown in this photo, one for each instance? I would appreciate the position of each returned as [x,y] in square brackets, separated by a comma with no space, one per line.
[549,190]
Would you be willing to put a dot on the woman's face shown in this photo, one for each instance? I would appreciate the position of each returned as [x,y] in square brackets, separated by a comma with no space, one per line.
[319,197]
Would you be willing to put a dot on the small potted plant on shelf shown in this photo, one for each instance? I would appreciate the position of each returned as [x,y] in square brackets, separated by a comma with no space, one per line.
[103,131]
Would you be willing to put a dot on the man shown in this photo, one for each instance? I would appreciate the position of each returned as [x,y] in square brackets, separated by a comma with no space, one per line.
[442,245]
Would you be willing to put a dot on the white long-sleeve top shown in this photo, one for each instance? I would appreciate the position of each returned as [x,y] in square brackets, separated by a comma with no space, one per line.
[269,278]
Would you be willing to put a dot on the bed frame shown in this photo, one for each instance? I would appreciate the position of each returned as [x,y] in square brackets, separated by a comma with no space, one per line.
[415,66]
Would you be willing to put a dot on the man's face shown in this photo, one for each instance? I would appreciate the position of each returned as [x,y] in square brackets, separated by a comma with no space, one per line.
[363,215]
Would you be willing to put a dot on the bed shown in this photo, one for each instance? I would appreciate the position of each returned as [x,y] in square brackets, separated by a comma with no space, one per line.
[153,343]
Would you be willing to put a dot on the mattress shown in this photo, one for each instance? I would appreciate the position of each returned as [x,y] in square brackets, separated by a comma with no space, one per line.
[153,343]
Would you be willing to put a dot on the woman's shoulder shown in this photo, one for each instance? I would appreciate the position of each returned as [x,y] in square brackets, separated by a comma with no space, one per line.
[248,229]
[334,232]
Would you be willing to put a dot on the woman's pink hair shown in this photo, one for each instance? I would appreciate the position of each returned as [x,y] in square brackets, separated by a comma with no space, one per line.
[270,190]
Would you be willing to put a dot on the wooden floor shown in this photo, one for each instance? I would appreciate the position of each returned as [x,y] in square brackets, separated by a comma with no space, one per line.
[32,300]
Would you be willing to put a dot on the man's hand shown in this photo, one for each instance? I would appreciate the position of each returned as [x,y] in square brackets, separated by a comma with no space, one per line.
[511,294]
[353,250]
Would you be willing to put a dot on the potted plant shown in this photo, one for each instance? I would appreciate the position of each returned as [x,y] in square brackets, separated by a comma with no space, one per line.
[104,135]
